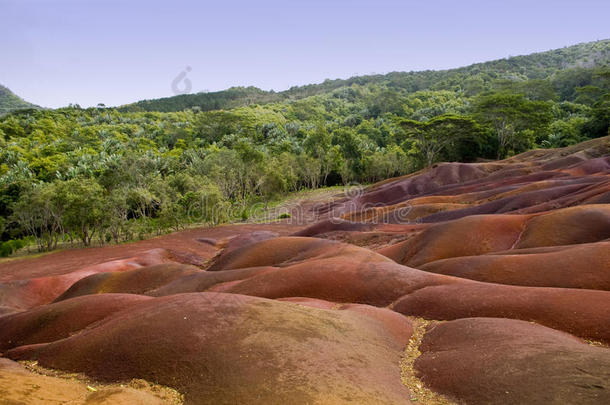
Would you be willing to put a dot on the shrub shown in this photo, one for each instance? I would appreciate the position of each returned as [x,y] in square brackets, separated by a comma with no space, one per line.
[9,247]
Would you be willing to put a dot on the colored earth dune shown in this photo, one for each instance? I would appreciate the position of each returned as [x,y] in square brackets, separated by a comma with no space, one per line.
[480,283]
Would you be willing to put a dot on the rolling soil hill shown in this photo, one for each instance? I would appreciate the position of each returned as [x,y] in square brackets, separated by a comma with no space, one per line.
[464,283]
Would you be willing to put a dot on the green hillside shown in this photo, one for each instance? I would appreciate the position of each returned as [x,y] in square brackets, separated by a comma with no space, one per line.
[471,79]
[116,174]
[10,102]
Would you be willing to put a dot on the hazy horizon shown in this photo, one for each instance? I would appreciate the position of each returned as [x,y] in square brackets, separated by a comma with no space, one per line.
[61,52]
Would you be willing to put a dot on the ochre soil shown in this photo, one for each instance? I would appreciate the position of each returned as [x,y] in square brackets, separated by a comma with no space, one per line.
[480,283]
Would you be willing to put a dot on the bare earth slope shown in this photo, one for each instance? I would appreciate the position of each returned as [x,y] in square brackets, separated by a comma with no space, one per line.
[482,283]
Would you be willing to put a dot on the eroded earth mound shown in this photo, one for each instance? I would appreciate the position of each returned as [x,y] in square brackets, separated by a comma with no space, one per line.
[480,283]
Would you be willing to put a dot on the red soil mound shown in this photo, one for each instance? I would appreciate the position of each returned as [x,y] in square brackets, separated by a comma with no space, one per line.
[476,235]
[587,223]
[591,166]
[524,201]
[500,361]
[591,194]
[56,321]
[270,253]
[392,321]
[481,234]
[342,273]
[332,225]
[24,294]
[184,247]
[245,239]
[340,279]
[526,238]
[574,170]
[204,280]
[422,183]
[580,312]
[137,281]
[308,267]
[239,350]
[309,302]
[575,266]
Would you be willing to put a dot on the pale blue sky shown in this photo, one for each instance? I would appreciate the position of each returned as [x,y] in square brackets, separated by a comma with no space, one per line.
[57,52]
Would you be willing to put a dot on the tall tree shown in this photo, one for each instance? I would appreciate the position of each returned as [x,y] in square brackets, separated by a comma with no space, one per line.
[436,136]
[512,116]
[84,208]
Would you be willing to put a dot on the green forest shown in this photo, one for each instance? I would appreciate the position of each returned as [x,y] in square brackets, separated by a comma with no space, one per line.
[108,175]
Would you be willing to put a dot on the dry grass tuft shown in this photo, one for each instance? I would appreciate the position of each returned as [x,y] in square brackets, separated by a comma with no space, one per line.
[168,395]
[419,392]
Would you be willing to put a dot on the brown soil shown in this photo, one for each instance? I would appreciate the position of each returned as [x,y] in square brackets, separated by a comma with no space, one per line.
[485,283]
[28,383]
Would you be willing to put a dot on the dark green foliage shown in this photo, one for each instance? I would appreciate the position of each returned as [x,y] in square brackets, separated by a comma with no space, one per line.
[516,120]
[9,247]
[599,123]
[446,137]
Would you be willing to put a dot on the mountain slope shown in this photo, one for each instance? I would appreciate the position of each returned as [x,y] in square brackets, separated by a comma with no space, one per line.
[10,101]
[471,79]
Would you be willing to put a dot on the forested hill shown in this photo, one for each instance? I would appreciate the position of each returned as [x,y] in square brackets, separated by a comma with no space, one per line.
[566,68]
[138,173]
[10,102]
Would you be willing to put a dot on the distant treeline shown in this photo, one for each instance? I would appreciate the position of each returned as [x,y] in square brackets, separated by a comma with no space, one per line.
[471,80]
